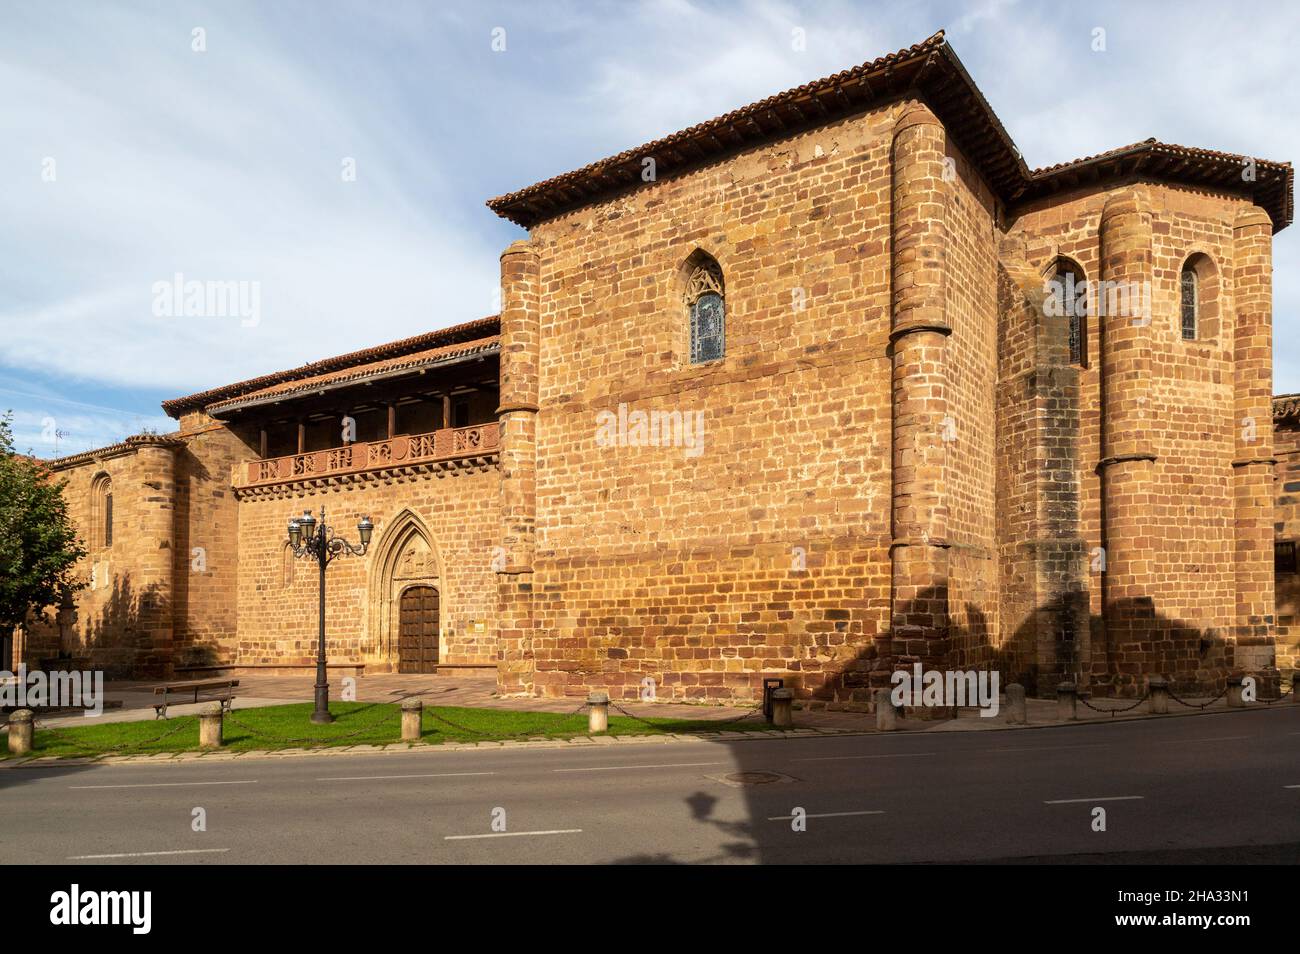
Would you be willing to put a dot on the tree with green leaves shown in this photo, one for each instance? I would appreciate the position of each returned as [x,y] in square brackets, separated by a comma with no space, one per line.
[39,549]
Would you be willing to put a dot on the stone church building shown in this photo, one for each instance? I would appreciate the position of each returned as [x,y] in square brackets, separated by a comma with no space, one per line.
[827,385]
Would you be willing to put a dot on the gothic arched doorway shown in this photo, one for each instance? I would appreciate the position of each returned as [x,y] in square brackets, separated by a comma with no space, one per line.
[417,635]
[407,598]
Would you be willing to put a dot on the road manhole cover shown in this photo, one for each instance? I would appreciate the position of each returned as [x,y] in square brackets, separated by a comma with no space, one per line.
[748,779]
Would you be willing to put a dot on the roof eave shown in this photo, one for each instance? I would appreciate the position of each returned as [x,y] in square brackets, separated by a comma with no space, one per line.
[1144,161]
[950,91]
[227,407]
[467,331]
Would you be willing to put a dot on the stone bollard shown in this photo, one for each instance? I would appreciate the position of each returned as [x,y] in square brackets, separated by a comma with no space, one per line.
[1158,689]
[782,708]
[886,714]
[1017,712]
[1067,702]
[210,717]
[1235,700]
[598,718]
[20,732]
[412,719]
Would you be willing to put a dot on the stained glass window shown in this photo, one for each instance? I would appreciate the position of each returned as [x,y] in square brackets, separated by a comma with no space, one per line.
[704,299]
[1075,307]
[1189,302]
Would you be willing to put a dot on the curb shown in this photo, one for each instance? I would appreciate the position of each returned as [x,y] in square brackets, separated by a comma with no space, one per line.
[174,758]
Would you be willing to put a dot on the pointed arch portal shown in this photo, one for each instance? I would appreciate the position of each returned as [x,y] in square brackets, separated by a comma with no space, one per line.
[406,602]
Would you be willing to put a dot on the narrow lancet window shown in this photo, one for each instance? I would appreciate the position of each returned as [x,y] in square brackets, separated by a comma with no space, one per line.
[706,307]
[1189,300]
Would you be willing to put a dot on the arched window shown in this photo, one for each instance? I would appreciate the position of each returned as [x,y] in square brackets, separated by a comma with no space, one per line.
[101,503]
[1073,289]
[706,306]
[1198,299]
[1189,298]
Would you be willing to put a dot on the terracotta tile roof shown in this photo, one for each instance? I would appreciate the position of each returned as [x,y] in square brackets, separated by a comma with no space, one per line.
[929,70]
[1272,188]
[457,334]
[357,373]
[1286,407]
[114,450]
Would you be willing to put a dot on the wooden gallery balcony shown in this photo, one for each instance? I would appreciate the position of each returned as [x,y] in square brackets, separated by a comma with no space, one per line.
[449,448]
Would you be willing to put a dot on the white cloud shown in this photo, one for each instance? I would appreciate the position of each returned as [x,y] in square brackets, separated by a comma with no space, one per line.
[225,165]
[691,62]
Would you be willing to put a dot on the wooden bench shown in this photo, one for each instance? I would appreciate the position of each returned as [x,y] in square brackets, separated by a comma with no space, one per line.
[218,690]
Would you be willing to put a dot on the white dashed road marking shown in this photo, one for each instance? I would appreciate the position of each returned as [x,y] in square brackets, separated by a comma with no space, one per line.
[377,778]
[250,781]
[620,768]
[822,815]
[514,834]
[149,854]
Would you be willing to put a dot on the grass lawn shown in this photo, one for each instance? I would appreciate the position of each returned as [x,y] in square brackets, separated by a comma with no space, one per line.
[356,723]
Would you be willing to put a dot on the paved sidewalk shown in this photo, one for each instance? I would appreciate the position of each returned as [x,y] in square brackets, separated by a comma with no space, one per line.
[478,690]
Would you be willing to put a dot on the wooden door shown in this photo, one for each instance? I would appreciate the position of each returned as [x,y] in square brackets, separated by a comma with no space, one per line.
[417,643]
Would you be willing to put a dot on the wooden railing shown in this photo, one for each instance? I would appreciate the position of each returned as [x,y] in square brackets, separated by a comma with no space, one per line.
[446,444]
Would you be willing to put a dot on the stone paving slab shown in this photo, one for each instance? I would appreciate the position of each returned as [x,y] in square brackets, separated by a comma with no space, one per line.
[477,690]
[472,690]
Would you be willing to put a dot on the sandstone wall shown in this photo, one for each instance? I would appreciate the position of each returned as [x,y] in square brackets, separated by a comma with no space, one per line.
[438,528]
[767,551]
[122,620]
[1181,606]
[207,554]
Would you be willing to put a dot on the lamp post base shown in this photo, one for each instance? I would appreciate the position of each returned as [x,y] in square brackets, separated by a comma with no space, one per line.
[322,714]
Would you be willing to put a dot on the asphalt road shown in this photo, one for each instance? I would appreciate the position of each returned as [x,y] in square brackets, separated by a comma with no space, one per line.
[1216,788]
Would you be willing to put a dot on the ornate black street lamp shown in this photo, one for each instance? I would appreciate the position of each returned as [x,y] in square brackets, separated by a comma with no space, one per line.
[314,542]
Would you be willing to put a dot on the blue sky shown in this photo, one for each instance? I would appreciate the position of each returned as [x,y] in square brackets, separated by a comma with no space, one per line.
[227,164]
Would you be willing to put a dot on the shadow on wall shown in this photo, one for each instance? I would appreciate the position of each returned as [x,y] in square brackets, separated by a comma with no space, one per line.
[196,656]
[192,475]
[1133,642]
[965,644]
[130,636]
[1130,644]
